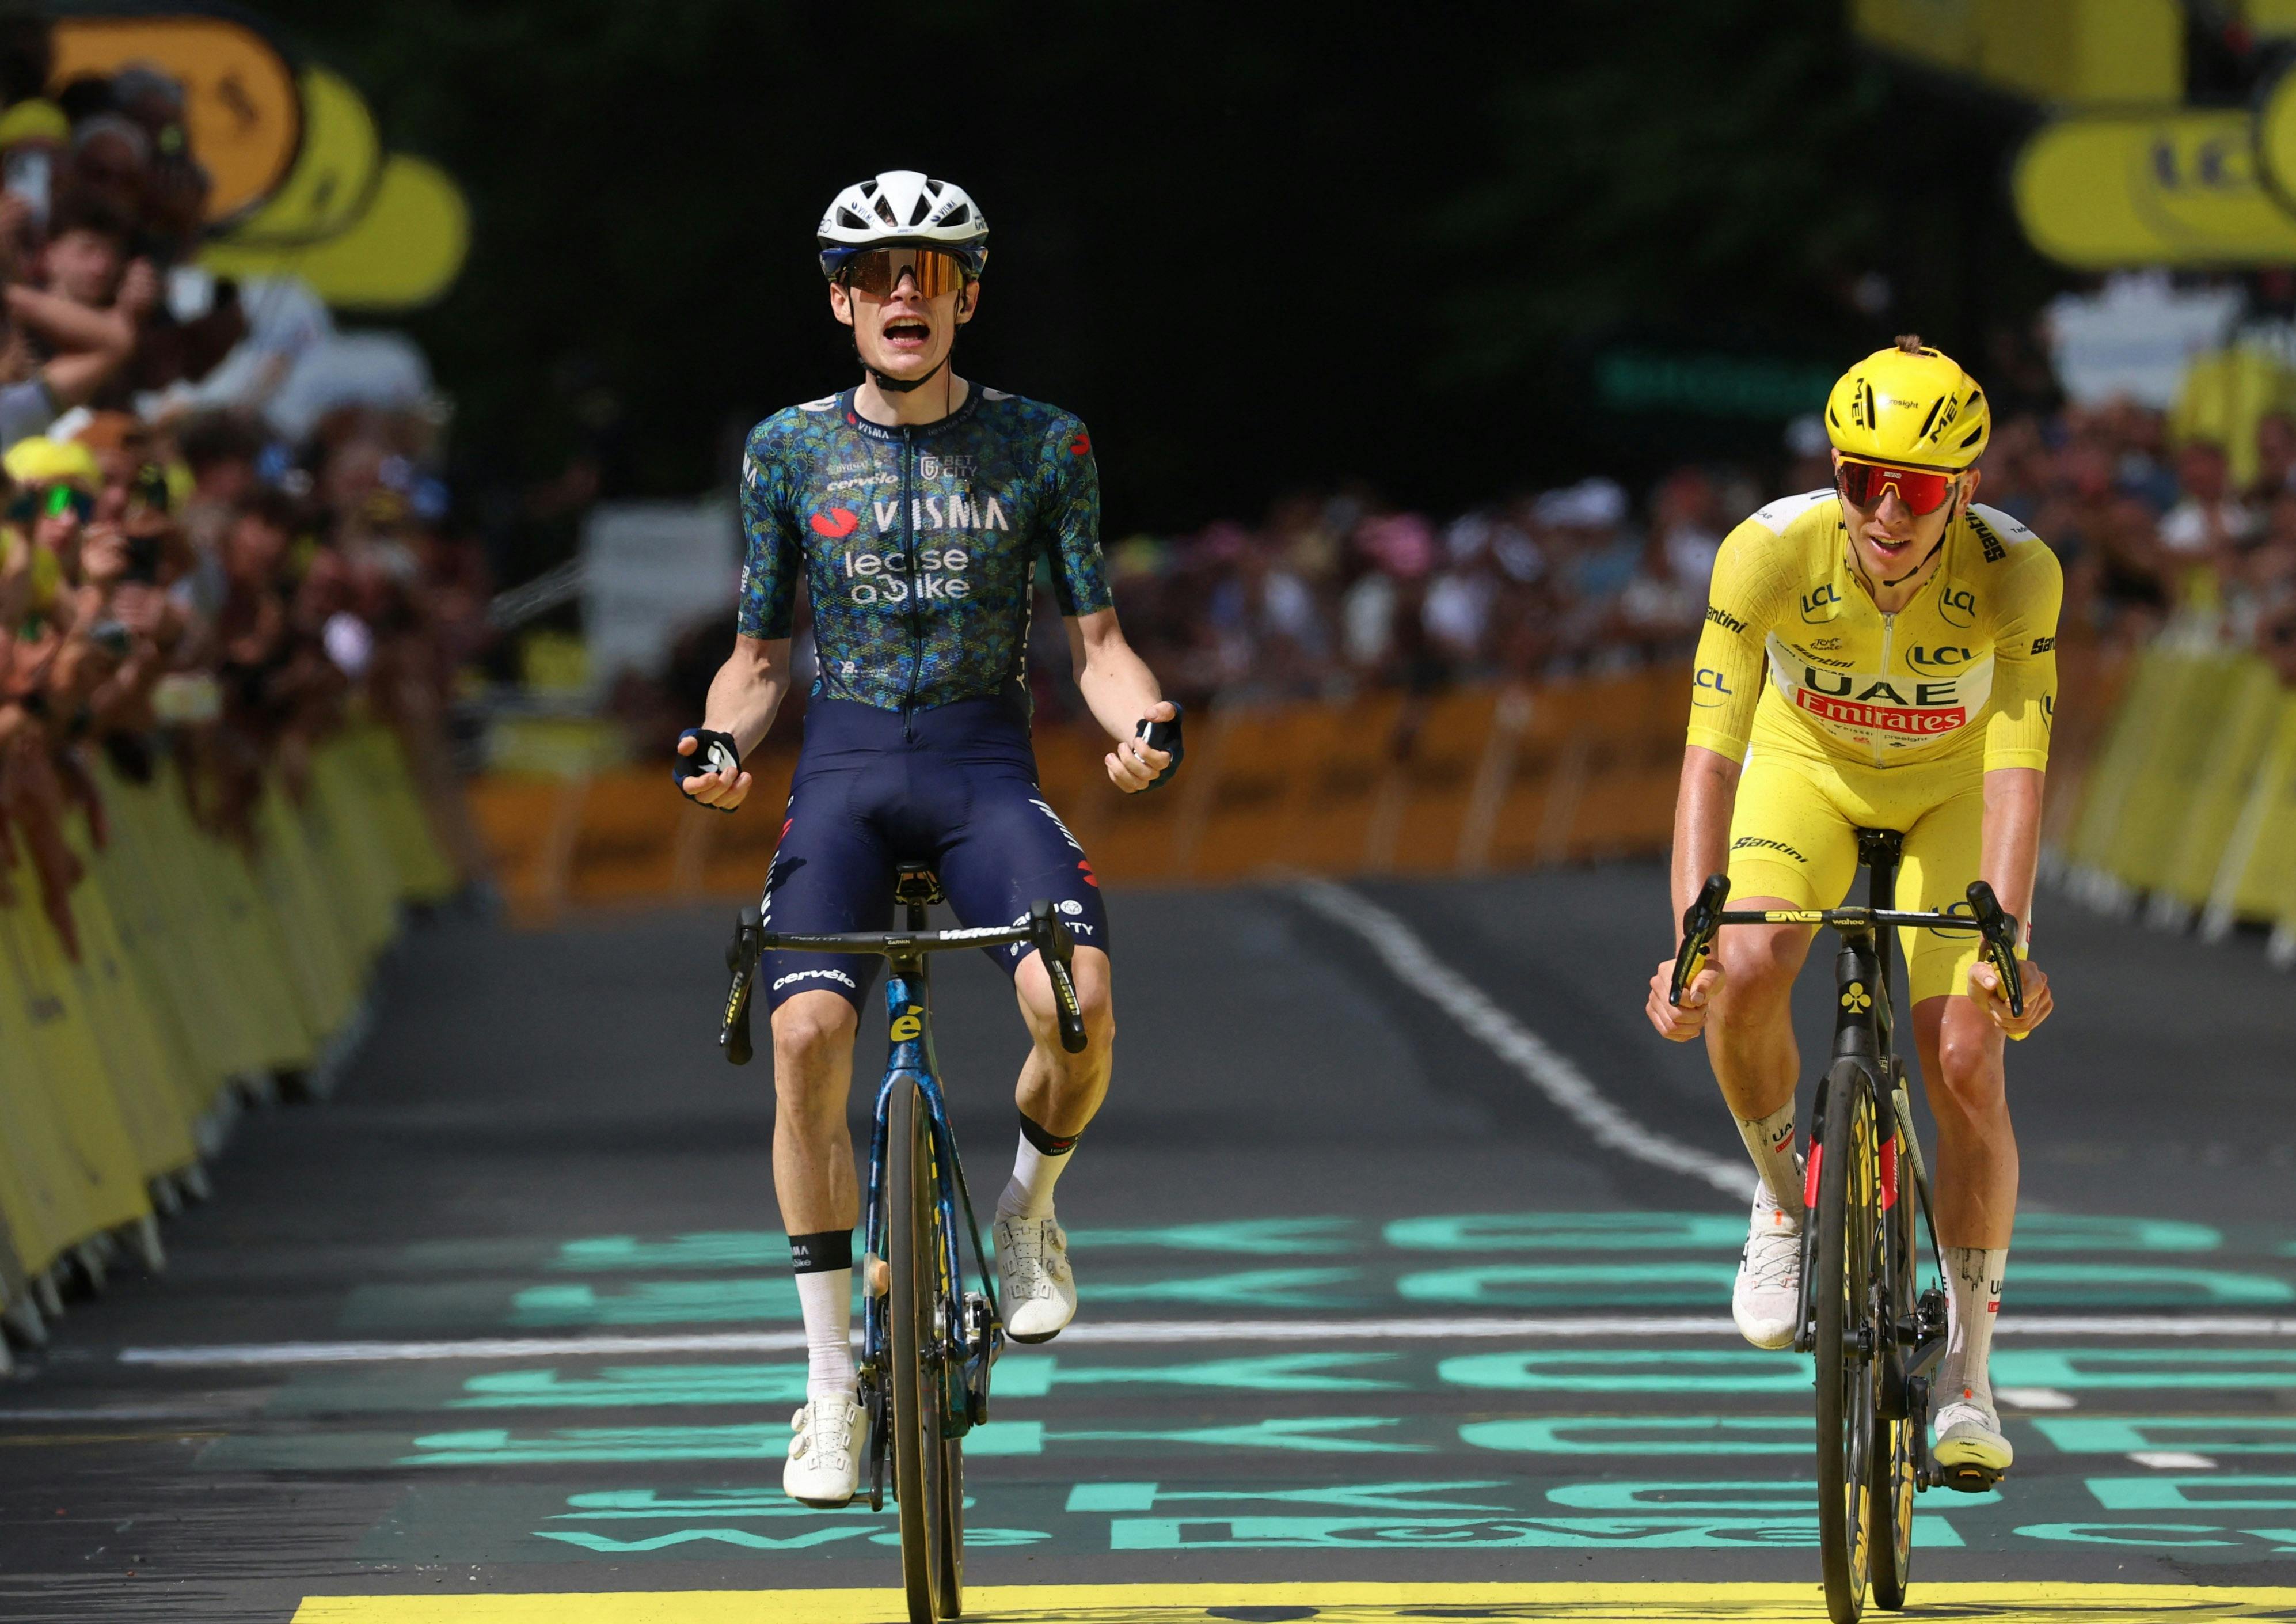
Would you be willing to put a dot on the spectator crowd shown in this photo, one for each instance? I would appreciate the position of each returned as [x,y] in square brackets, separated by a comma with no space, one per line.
[180,581]
[1331,594]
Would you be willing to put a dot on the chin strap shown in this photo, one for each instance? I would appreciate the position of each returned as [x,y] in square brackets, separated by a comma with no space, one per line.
[901,386]
[1924,564]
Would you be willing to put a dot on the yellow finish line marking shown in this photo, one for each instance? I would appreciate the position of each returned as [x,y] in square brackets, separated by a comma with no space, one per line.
[1362,1603]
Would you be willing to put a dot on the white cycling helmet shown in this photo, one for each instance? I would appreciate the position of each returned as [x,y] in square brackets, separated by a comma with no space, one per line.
[902,209]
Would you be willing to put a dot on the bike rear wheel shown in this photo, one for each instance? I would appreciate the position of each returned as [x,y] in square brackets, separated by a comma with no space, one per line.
[1849,1219]
[913,1250]
[1897,1443]
[952,1528]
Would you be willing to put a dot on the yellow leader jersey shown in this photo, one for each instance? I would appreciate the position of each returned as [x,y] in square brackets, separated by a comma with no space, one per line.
[1969,665]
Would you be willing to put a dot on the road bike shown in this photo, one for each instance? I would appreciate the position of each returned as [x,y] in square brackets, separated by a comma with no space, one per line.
[1875,1335]
[926,1345]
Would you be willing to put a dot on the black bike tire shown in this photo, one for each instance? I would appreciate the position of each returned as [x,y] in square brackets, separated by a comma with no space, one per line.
[952,1528]
[1844,1506]
[916,1443]
[1895,1452]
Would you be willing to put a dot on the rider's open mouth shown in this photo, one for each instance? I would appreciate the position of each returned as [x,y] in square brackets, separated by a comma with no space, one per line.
[908,334]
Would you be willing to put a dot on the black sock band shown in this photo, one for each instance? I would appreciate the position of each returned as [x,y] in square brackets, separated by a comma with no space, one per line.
[815,1254]
[1047,1144]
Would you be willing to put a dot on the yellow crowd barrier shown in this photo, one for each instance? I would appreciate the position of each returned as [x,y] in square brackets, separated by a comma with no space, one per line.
[204,969]
[2192,801]
[1470,780]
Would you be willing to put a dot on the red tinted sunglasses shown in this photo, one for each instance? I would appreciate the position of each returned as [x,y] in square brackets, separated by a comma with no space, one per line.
[1922,490]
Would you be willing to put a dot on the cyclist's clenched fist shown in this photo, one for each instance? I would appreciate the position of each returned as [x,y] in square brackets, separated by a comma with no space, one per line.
[1681,1022]
[1985,988]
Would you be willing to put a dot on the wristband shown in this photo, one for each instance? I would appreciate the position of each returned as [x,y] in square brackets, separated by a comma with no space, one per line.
[714,752]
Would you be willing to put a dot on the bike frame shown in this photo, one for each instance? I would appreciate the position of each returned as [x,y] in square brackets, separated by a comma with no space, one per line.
[908,1014]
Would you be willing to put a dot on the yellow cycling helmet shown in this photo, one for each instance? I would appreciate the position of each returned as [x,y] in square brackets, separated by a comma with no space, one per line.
[42,461]
[1909,405]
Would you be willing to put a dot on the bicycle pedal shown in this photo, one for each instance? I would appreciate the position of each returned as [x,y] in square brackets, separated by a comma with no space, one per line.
[1969,1480]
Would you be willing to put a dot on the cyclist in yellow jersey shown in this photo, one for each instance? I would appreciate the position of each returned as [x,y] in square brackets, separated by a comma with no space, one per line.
[1908,638]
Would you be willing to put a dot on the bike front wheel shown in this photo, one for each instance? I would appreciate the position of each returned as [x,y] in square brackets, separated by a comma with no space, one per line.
[1896,1442]
[1847,1267]
[913,1251]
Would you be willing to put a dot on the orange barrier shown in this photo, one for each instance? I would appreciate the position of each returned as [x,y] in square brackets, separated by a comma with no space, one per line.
[1464,782]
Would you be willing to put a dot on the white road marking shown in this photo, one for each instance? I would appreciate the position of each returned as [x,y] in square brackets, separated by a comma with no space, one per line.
[1568,1088]
[2173,1460]
[1595,1327]
[2037,1398]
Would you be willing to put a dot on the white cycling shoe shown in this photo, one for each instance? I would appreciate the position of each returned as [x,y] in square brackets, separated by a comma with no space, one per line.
[824,1456]
[1970,1451]
[1034,1285]
[1765,1300]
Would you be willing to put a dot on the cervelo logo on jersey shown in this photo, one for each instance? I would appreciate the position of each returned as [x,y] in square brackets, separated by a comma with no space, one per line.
[884,577]
[814,975]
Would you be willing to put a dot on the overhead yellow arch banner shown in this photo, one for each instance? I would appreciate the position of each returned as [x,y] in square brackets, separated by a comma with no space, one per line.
[240,99]
[335,175]
[2179,187]
[405,250]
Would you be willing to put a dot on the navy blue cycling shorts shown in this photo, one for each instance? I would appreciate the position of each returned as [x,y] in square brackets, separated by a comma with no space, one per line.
[954,786]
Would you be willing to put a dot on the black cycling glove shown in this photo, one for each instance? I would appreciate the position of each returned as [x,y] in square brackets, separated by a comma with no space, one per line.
[1163,735]
[715,753]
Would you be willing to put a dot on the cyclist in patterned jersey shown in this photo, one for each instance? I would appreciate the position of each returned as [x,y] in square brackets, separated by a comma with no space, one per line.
[917,509]
[1909,637]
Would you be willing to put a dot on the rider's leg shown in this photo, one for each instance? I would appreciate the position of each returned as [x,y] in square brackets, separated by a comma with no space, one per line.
[1059,1093]
[1962,1065]
[1963,1071]
[1749,1039]
[813,1175]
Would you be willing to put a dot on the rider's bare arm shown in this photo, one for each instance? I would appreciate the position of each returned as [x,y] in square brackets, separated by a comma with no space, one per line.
[1701,847]
[2009,856]
[743,698]
[1120,689]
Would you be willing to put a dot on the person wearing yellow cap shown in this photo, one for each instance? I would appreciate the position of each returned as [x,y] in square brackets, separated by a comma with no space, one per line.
[56,486]
[1879,654]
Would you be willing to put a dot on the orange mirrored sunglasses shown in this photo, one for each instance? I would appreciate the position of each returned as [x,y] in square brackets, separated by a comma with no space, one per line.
[879,271]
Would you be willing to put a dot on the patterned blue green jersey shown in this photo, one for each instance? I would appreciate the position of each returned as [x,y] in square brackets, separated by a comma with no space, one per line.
[919,544]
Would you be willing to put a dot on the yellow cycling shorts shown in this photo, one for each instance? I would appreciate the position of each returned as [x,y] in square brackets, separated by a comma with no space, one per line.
[1794,835]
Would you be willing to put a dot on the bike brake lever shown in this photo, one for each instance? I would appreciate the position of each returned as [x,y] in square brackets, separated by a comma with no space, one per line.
[1050,934]
[1701,924]
[2000,930]
[741,959]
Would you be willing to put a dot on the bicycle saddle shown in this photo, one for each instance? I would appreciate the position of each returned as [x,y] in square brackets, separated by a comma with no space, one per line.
[915,884]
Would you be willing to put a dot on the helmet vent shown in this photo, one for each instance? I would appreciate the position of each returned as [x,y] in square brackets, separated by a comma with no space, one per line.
[960,215]
[1871,419]
[1924,432]
[851,221]
[917,215]
[885,212]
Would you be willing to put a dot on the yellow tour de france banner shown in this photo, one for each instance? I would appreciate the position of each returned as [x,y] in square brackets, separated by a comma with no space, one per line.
[403,249]
[335,175]
[2179,187]
[240,105]
[2075,52]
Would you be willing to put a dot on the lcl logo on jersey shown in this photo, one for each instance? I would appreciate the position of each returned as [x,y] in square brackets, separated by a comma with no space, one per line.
[1821,605]
[1942,658]
[1958,605]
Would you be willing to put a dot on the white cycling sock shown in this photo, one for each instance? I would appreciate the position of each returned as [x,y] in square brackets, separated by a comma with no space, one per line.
[1770,1142]
[1035,1168]
[1973,1284]
[824,1293]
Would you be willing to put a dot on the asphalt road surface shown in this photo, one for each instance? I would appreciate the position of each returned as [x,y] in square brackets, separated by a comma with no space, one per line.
[1373,1326]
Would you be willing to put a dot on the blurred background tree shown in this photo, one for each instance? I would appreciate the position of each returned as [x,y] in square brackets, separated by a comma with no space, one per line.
[1257,247]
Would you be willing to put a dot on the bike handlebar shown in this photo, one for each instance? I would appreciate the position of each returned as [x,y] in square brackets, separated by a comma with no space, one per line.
[1702,920]
[1043,929]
